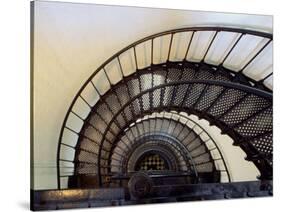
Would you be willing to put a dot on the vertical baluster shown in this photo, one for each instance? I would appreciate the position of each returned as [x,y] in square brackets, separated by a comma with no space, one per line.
[265,78]
[170,46]
[96,89]
[189,44]
[254,57]
[151,54]
[107,77]
[233,46]
[84,100]
[120,66]
[210,44]
[136,59]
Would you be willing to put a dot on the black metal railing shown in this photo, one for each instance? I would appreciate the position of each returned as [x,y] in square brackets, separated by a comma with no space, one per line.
[237,78]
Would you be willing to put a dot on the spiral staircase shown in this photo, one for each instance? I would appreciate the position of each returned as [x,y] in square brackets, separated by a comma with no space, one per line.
[129,128]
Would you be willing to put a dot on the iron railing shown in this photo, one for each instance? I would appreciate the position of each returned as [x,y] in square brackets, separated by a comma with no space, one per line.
[238,75]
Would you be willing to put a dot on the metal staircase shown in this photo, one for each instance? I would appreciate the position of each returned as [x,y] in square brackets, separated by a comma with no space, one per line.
[189,148]
[139,101]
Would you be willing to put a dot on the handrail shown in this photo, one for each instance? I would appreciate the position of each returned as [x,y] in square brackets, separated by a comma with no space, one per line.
[151,37]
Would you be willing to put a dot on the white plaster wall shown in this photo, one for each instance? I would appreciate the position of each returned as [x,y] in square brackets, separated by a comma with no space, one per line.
[72,40]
